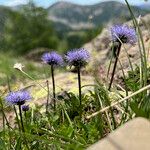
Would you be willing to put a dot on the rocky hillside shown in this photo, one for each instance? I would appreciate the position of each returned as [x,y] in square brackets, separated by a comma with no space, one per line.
[75,16]
[100,48]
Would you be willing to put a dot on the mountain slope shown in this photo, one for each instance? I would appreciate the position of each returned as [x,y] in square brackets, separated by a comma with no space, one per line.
[85,17]
[145,6]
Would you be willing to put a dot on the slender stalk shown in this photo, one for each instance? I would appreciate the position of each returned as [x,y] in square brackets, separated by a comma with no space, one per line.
[25,115]
[115,64]
[20,113]
[4,116]
[107,115]
[126,88]
[130,63]
[140,35]
[67,116]
[4,129]
[141,49]
[33,79]
[53,82]
[23,130]
[47,83]
[116,52]
[112,56]
[17,118]
[7,123]
[79,85]
[120,101]
[4,123]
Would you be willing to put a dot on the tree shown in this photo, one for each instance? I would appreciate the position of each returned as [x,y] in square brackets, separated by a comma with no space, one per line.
[29,28]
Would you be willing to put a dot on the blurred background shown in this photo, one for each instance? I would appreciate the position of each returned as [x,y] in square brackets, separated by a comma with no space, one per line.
[30,27]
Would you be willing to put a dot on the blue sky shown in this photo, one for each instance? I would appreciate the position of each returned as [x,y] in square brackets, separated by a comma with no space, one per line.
[46,3]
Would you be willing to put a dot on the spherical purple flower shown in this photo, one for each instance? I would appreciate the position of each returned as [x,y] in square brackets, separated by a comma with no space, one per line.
[25,107]
[18,97]
[125,33]
[52,58]
[77,57]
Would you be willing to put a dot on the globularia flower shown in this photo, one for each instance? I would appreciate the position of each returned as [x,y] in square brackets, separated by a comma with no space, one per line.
[18,97]
[125,33]
[25,107]
[77,57]
[52,58]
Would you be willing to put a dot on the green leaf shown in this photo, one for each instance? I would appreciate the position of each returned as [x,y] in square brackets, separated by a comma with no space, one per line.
[2,145]
[18,144]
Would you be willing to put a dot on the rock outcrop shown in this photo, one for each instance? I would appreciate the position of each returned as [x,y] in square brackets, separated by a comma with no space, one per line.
[100,47]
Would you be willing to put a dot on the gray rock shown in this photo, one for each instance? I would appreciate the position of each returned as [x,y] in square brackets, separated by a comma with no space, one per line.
[134,135]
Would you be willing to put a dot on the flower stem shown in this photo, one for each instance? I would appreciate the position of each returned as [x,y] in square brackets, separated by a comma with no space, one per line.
[117,50]
[47,96]
[17,118]
[79,85]
[53,82]
[25,114]
[23,130]
[7,123]
[20,113]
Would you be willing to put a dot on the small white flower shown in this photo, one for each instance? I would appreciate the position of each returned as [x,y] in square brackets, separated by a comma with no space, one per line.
[18,66]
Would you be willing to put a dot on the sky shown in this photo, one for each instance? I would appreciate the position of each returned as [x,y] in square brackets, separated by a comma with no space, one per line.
[47,3]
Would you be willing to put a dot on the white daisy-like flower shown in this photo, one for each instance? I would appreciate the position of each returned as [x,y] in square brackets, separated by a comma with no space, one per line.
[18,66]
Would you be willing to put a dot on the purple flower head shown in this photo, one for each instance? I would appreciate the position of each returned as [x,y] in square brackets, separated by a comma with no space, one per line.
[125,33]
[77,57]
[18,97]
[52,58]
[25,107]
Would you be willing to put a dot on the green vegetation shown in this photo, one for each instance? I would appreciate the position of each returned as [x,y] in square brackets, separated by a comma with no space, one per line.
[7,62]
[77,38]
[68,127]
[29,28]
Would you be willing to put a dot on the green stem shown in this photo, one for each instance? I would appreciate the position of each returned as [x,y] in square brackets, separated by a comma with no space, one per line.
[67,116]
[32,79]
[112,55]
[144,70]
[25,114]
[17,118]
[115,64]
[47,96]
[53,82]
[4,116]
[20,113]
[79,85]
[4,129]
[23,130]
[126,87]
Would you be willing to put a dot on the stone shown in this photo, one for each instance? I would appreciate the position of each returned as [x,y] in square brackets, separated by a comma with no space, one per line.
[134,135]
